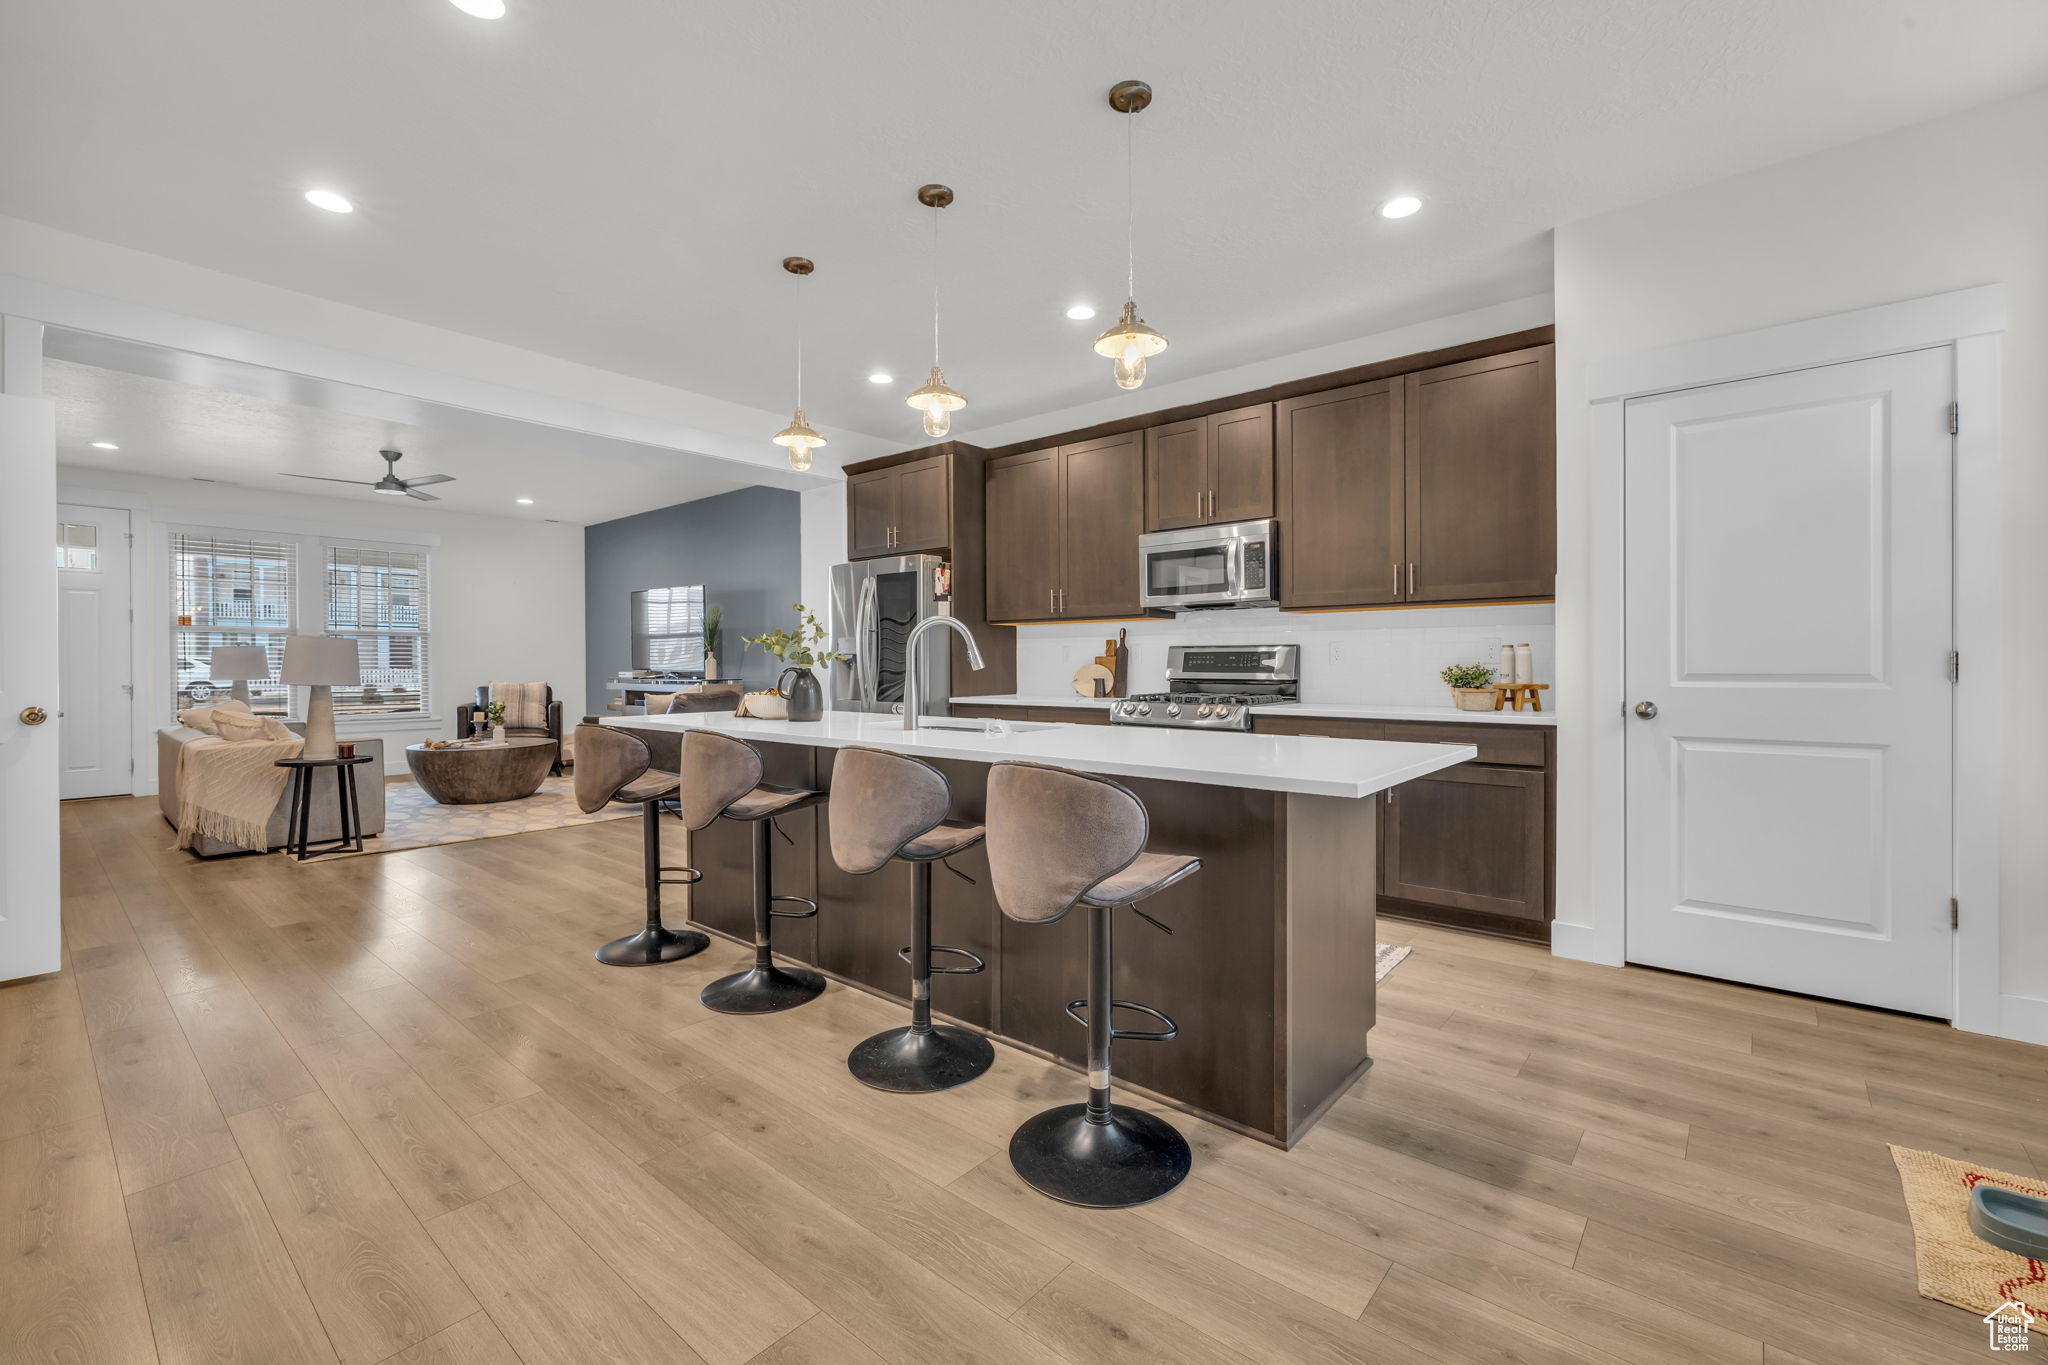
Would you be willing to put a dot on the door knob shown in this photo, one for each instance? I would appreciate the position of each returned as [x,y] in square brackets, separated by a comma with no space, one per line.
[33,715]
[1647,710]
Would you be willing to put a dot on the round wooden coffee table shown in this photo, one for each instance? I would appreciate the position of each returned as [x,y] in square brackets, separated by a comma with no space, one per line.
[480,774]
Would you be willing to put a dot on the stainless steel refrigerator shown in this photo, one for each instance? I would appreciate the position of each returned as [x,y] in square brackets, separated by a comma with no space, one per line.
[876,603]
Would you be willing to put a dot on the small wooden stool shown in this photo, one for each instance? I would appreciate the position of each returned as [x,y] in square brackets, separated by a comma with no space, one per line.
[1515,694]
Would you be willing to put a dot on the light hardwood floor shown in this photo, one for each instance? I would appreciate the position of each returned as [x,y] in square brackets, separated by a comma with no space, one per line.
[390,1109]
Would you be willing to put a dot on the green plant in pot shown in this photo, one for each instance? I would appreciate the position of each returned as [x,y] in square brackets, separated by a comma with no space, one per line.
[801,649]
[714,623]
[1471,686]
[494,717]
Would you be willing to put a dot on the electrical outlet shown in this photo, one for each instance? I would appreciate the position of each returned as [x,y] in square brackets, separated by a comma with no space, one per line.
[1336,651]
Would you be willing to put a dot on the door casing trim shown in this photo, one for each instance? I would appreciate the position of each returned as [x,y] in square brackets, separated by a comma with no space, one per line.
[1969,320]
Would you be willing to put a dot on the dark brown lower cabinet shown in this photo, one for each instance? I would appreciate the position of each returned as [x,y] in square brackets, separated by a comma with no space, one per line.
[1470,838]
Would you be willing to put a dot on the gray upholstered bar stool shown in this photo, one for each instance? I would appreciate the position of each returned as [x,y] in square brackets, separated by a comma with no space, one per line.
[1057,839]
[721,780]
[612,765]
[885,807]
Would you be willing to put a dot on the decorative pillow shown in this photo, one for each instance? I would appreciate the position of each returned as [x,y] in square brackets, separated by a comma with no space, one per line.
[198,718]
[233,725]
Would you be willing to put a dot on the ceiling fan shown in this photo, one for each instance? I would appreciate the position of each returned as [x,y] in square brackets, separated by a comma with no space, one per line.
[390,483]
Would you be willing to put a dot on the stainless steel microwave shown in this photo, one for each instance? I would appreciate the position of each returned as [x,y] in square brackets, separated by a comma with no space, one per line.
[1236,565]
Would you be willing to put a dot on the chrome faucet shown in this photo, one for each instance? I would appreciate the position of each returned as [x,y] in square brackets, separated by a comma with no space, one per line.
[912,702]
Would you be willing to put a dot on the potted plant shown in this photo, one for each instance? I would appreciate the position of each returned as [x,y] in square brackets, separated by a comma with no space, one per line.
[714,622]
[1471,687]
[494,716]
[801,649]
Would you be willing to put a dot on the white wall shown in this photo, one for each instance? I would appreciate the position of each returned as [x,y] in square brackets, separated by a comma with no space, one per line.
[1957,202]
[507,594]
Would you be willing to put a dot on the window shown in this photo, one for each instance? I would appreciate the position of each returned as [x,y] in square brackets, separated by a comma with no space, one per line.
[377,596]
[228,589]
[78,546]
[668,629]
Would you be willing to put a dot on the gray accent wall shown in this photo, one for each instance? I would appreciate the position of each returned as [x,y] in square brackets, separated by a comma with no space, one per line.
[743,547]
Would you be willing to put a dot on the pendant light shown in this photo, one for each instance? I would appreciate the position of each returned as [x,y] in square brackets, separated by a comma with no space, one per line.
[798,435]
[1129,341]
[935,400]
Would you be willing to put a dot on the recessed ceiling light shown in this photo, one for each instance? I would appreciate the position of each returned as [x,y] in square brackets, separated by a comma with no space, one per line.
[524,502]
[1400,206]
[329,200]
[881,377]
[104,445]
[1080,312]
[481,9]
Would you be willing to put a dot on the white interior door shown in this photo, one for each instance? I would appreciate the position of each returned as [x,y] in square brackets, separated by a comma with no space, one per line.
[1789,563]
[95,676]
[30,936]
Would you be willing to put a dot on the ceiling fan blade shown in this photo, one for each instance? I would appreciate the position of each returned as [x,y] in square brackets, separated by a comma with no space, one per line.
[360,483]
[423,497]
[430,478]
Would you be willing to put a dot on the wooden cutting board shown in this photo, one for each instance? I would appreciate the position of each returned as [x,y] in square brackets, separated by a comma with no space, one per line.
[1087,675]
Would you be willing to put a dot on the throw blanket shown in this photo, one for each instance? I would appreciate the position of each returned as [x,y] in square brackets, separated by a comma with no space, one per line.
[526,704]
[227,790]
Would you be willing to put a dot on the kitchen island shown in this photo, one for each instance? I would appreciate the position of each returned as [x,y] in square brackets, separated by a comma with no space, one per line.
[1269,966]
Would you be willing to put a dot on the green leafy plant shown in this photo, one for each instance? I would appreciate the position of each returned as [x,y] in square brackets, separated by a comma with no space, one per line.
[799,648]
[714,622]
[1467,675]
[494,714]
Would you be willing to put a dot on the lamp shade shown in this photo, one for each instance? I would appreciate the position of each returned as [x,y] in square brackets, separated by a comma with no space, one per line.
[321,659]
[238,663]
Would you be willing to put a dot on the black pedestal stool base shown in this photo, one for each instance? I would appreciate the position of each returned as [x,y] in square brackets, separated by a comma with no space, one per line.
[762,990]
[652,946]
[910,1062]
[1133,1158]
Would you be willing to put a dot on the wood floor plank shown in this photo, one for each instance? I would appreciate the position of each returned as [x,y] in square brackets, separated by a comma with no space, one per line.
[117,987]
[342,962]
[160,1111]
[1435,1317]
[246,1060]
[46,1068]
[636,1118]
[475,1340]
[820,1341]
[716,1296]
[219,1284]
[71,1288]
[375,1276]
[182,956]
[434,1159]
[461,1067]
[902,1311]
[438,974]
[552,1297]
[304,1008]
[1085,1317]
[1273,1243]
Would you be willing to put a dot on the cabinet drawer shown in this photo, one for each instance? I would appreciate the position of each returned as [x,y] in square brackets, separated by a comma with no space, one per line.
[1328,727]
[1071,715]
[989,712]
[1512,745]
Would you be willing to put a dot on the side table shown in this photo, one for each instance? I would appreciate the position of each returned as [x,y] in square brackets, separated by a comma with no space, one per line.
[298,820]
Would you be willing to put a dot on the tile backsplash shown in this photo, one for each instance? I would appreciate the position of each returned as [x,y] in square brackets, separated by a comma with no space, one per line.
[1364,658]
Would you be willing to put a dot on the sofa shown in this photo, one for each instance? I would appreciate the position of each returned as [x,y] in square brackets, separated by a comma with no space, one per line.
[324,821]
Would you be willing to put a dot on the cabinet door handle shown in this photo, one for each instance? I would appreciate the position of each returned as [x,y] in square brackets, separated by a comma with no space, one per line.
[1050,595]
[1411,580]
[1397,580]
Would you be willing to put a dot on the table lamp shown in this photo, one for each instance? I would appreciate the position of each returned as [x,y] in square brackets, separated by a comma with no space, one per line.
[320,663]
[239,664]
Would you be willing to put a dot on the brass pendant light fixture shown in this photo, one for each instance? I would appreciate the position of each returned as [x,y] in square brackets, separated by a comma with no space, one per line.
[1129,342]
[936,400]
[798,436]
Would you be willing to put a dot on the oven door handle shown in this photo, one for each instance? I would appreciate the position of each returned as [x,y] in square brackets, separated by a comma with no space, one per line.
[867,630]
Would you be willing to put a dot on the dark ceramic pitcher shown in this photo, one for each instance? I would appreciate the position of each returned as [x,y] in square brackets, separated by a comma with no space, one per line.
[806,698]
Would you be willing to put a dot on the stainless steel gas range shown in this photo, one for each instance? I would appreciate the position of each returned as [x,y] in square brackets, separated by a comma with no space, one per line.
[1215,687]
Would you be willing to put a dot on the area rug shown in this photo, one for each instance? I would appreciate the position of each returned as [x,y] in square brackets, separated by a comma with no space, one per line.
[1955,1265]
[1386,957]
[413,819]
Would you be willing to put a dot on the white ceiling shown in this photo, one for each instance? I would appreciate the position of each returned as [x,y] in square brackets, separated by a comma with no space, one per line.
[174,430]
[616,183]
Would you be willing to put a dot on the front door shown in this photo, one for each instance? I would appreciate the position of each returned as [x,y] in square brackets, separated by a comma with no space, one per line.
[95,683]
[1788,618]
[30,942]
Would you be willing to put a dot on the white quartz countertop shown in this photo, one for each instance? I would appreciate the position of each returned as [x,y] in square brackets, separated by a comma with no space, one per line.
[1442,715]
[1281,763]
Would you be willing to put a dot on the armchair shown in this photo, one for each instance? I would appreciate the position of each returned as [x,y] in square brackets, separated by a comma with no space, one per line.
[550,715]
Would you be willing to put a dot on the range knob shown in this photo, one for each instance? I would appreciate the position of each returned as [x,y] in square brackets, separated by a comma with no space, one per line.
[1203,713]
[1173,709]
[1127,709]
[1143,709]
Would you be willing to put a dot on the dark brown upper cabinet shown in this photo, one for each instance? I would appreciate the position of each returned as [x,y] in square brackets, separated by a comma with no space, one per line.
[901,510]
[1482,479]
[1063,527]
[1340,499]
[1210,470]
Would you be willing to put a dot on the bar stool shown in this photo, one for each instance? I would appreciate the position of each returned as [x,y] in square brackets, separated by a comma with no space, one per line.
[885,807]
[612,765]
[1057,839]
[721,779]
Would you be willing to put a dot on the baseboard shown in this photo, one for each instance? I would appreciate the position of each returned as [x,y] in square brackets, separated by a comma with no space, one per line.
[2023,1018]
[1583,943]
